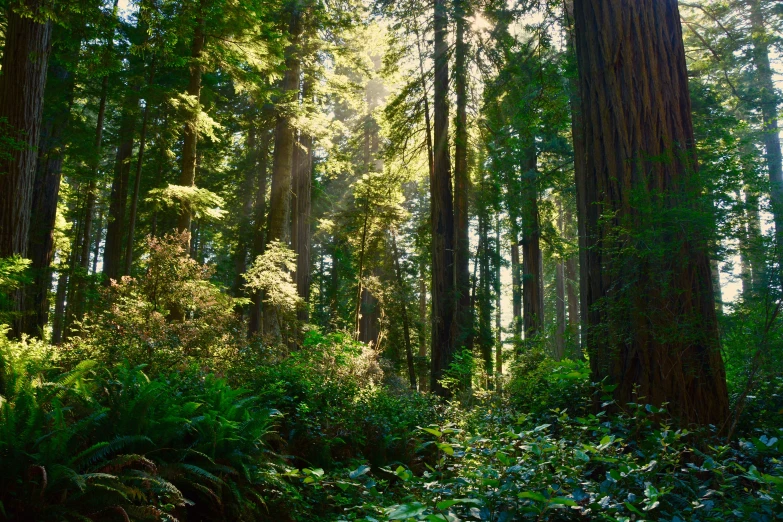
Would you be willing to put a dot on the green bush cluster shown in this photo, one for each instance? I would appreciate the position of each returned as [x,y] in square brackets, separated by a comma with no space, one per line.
[91,443]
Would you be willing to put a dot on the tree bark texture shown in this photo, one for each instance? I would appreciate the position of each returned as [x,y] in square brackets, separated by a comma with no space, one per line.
[441,213]
[532,269]
[651,322]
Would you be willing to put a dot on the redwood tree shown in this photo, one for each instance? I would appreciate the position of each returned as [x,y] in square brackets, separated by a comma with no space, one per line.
[651,323]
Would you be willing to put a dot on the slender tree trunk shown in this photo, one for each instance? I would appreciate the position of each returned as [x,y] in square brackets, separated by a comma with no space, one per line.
[463,326]
[498,310]
[254,319]
[442,214]
[45,196]
[245,232]
[571,283]
[578,141]
[650,298]
[301,206]
[190,132]
[98,236]
[406,331]
[59,302]
[516,286]
[22,84]
[112,258]
[560,304]
[426,100]
[137,181]
[532,298]
[768,101]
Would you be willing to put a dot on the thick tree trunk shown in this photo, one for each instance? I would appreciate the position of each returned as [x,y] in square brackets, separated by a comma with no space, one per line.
[532,295]
[190,132]
[463,326]
[768,101]
[441,213]
[651,323]
[22,83]
[45,195]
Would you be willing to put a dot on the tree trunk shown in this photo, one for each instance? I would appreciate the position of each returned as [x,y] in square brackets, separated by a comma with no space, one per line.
[112,257]
[254,319]
[190,132]
[498,310]
[245,229]
[560,304]
[406,329]
[441,213]
[768,101]
[651,323]
[22,83]
[137,182]
[571,283]
[532,296]
[516,288]
[301,207]
[45,196]
[578,141]
[59,302]
[463,326]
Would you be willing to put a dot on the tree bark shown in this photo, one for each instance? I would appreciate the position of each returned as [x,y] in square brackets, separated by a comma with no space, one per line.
[190,132]
[516,287]
[768,103]
[45,196]
[137,181]
[22,83]
[463,326]
[112,257]
[245,229]
[651,323]
[406,330]
[254,319]
[441,214]
[301,238]
[532,295]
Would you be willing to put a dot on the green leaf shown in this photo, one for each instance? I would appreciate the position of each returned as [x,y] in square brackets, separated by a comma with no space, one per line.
[633,509]
[562,501]
[532,495]
[448,449]
[432,431]
[446,504]
[406,511]
[581,455]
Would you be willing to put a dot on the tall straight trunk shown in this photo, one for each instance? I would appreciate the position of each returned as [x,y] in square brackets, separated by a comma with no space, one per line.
[58,321]
[768,103]
[532,295]
[560,304]
[282,160]
[187,176]
[406,329]
[516,287]
[426,100]
[137,181]
[112,257]
[422,333]
[578,142]
[301,203]
[22,83]
[498,310]
[254,317]
[744,249]
[441,213]
[571,281]
[649,294]
[97,244]
[361,291]
[45,196]
[486,340]
[245,231]
[463,326]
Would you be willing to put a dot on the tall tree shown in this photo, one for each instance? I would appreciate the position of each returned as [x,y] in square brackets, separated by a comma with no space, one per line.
[22,83]
[441,213]
[649,290]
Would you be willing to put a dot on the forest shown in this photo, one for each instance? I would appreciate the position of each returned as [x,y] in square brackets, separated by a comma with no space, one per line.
[415,260]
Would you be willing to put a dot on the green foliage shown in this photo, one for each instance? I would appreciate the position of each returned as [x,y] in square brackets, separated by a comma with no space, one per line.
[13,274]
[83,442]
[168,316]
[539,383]
[271,274]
